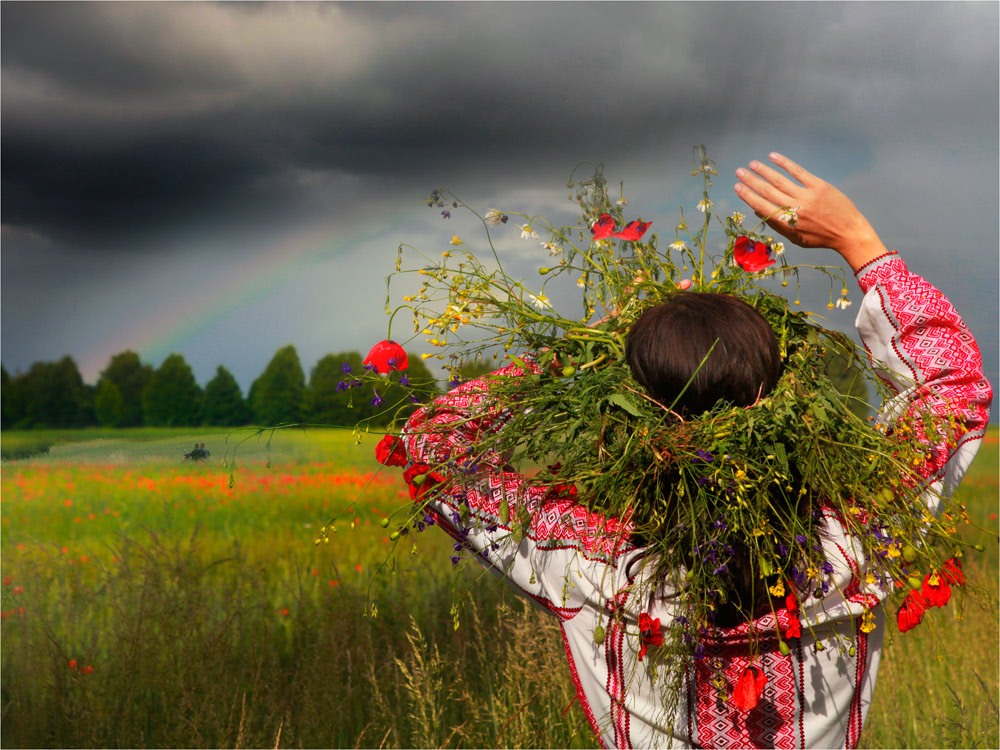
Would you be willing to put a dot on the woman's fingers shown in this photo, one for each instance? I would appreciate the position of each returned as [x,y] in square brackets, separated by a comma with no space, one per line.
[764,189]
[801,174]
[760,205]
[776,179]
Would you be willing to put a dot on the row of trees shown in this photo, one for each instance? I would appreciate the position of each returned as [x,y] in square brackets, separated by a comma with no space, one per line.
[130,393]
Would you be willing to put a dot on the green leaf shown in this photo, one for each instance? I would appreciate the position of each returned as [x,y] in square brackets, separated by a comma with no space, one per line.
[624,402]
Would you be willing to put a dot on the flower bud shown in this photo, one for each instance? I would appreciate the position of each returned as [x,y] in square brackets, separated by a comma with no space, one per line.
[384,522]
[783,648]
[599,635]
[568,371]
[393,536]
[543,270]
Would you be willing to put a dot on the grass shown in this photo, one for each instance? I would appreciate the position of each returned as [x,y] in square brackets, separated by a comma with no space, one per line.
[209,618]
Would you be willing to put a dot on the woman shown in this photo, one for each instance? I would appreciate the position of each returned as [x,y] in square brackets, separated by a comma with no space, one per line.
[582,567]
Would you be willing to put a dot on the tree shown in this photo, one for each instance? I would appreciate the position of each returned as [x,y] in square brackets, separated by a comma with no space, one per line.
[278,395]
[12,408]
[223,402]
[54,395]
[172,396]
[109,406]
[330,392]
[127,372]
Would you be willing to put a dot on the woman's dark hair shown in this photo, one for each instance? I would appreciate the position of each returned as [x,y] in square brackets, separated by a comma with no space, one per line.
[667,344]
[732,354]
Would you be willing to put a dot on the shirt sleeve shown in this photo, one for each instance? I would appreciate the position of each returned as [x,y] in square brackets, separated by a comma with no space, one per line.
[537,537]
[926,354]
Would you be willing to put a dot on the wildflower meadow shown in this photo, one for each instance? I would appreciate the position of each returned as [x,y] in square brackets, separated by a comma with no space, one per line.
[149,601]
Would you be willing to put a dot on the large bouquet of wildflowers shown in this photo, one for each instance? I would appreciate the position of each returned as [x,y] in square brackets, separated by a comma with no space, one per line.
[733,492]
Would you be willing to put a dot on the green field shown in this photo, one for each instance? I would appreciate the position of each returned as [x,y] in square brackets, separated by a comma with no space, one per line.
[148,603]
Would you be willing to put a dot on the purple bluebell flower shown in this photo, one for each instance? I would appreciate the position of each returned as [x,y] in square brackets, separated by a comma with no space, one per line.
[404,381]
[446,214]
[721,570]
[342,386]
[454,382]
[782,550]
[681,619]
[429,519]
[371,368]
[825,587]
[377,399]
[827,567]
[455,559]
[491,528]
[702,481]
[800,539]
[345,367]
[356,383]
[705,456]
[414,399]
[699,652]
[485,553]
[719,523]
[457,547]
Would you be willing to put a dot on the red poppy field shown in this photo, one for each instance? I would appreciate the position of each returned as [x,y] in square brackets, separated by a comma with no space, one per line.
[148,603]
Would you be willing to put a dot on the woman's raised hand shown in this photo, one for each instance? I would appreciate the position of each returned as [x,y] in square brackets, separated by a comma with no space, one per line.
[810,212]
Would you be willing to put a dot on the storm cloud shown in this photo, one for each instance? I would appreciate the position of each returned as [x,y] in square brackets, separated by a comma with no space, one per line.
[126,124]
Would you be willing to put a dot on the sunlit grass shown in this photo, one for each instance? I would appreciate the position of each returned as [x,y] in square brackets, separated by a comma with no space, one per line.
[209,617]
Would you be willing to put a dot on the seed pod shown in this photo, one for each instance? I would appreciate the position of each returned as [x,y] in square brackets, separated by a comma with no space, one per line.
[543,270]
[599,635]
[915,582]
[568,371]
[394,536]
[384,522]
[851,651]
[910,553]
[504,512]
[783,648]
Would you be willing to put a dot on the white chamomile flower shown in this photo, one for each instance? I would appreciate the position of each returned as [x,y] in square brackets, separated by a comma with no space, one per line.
[789,215]
[678,246]
[704,205]
[553,248]
[778,248]
[738,217]
[541,302]
[622,201]
[527,233]
[843,303]
[581,282]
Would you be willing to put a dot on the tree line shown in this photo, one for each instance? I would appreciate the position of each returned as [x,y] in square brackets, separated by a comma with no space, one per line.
[130,393]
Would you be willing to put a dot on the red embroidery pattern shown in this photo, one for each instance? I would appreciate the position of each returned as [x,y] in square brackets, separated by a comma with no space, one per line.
[860,668]
[771,723]
[580,694]
[934,343]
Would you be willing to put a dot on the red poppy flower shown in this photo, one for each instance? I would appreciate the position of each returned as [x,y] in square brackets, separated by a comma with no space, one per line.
[911,613]
[794,629]
[633,231]
[385,356]
[749,688]
[791,601]
[649,630]
[935,594]
[752,257]
[420,478]
[604,227]
[72,663]
[391,451]
[951,572]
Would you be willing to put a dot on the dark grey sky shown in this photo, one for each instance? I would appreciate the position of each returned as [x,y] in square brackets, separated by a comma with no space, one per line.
[223,179]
